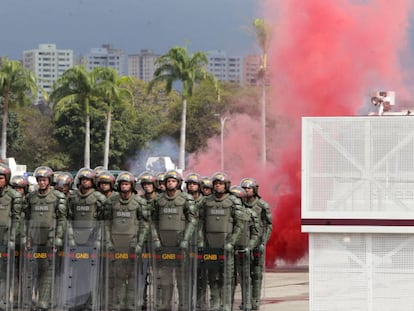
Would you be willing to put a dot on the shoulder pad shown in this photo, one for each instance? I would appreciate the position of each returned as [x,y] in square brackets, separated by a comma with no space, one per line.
[13,193]
[99,196]
[263,204]
[139,199]
[59,194]
[234,199]
[186,195]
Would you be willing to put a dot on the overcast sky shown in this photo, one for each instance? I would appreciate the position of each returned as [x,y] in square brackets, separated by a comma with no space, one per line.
[130,25]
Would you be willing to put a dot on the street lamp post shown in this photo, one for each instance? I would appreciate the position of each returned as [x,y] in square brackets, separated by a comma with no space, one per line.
[222,123]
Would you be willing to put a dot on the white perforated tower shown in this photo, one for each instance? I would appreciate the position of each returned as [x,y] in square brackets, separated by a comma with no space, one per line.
[358,208]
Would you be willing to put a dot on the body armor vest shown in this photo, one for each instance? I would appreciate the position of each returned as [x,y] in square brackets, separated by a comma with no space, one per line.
[218,220]
[244,238]
[84,211]
[124,222]
[257,208]
[6,202]
[42,216]
[172,221]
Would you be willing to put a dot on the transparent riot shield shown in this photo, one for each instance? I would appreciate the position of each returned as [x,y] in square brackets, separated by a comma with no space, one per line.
[174,278]
[80,268]
[202,295]
[125,277]
[39,257]
[228,281]
[257,272]
[7,260]
[220,272]
[242,262]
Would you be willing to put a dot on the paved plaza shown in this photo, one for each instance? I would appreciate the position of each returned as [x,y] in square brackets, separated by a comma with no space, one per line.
[285,288]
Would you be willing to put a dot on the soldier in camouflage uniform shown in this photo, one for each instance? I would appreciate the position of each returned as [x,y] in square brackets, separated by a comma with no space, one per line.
[127,219]
[243,249]
[175,218]
[223,218]
[264,219]
[21,185]
[11,204]
[85,236]
[148,184]
[46,212]
[193,186]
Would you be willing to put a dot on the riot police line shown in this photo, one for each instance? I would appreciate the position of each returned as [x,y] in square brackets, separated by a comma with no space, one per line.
[91,242]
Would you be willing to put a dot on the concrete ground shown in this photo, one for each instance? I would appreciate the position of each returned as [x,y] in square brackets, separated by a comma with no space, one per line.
[285,289]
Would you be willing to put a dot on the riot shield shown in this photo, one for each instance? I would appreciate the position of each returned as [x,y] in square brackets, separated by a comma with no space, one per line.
[7,266]
[257,271]
[202,297]
[174,278]
[80,271]
[220,271]
[38,277]
[125,278]
[242,262]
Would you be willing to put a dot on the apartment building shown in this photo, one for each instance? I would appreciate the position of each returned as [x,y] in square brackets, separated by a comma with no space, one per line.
[142,65]
[251,68]
[225,68]
[47,63]
[106,56]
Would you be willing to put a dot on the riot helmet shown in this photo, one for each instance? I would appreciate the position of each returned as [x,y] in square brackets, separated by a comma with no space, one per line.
[175,175]
[160,182]
[5,171]
[221,177]
[206,182]
[19,181]
[64,179]
[126,177]
[44,171]
[99,169]
[56,175]
[193,178]
[87,173]
[238,192]
[147,177]
[105,177]
[250,183]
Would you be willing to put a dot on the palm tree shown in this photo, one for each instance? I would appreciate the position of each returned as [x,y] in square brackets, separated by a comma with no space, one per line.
[17,85]
[263,34]
[178,65]
[111,92]
[77,88]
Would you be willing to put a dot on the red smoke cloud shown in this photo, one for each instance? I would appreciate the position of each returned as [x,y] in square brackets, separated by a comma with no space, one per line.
[326,57]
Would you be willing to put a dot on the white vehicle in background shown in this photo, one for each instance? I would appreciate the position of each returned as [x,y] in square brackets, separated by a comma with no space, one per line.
[159,164]
[16,169]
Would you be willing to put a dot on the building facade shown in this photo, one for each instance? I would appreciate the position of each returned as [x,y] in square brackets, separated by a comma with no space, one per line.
[106,56]
[142,65]
[47,63]
[225,68]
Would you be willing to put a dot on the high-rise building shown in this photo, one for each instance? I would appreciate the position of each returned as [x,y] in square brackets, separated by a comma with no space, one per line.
[48,64]
[142,65]
[225,68]
[107,56]
[251,68]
